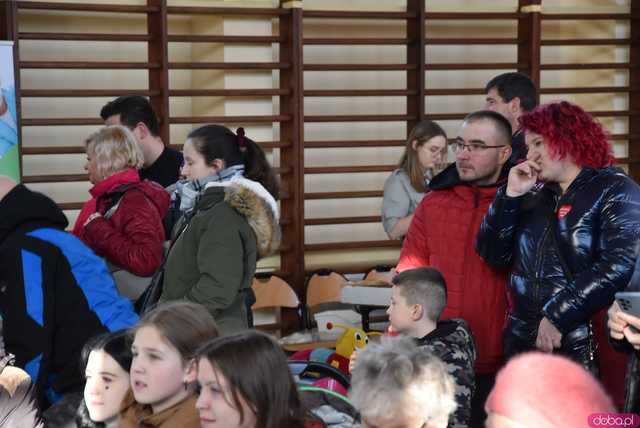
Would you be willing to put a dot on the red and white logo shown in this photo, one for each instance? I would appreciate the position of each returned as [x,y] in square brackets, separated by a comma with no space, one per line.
[563,211]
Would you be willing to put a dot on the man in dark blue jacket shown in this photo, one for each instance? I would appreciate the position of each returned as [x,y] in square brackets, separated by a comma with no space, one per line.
[54,292]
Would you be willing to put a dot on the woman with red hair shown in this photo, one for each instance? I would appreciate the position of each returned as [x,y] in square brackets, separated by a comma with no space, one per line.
[566,224]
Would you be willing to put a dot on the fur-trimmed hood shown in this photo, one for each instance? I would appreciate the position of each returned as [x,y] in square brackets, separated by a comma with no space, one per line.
[259,208]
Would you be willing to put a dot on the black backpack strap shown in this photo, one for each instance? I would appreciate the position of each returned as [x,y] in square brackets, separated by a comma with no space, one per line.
[149,298]
[114,197]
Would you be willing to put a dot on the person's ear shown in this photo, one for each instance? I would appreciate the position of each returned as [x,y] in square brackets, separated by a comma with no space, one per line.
[141,131]
[191,371]
[417,312]
[504,154]
[218,164]
[414,145]
[515,107]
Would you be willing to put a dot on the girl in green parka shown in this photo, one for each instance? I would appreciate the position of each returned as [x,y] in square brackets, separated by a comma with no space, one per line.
[228,220]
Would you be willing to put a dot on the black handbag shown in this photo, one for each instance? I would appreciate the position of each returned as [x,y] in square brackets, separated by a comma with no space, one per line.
[150,296]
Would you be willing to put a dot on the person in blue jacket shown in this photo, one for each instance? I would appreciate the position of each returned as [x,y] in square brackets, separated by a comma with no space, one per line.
[55,293]
[8,119]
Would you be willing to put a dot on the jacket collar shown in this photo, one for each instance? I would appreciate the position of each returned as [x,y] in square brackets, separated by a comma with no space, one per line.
[584,177]
[254,203]
[110,183]
[449,178]
[184,412]
[443,329]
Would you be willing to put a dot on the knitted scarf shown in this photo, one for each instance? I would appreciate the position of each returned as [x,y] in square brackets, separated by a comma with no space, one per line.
[187,193]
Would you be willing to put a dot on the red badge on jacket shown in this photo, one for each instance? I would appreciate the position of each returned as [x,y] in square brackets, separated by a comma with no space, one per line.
[563,211]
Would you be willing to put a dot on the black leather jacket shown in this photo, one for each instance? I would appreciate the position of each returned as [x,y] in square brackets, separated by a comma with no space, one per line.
[632,378]
[631,384]
[597,233]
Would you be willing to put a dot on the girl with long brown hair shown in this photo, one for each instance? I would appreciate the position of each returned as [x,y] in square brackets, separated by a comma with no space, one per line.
[406,186]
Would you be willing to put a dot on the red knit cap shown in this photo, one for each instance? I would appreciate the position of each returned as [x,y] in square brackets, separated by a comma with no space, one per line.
[547,391]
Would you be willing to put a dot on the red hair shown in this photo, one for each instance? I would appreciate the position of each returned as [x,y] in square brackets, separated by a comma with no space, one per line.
[571,132]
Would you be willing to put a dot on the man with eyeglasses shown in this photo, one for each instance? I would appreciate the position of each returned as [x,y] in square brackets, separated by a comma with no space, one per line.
[443,232]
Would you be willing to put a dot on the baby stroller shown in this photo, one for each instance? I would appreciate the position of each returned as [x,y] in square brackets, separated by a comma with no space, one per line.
[323,390]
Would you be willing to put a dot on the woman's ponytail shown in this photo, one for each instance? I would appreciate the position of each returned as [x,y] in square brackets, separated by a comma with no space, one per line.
[256,166]
[219,142]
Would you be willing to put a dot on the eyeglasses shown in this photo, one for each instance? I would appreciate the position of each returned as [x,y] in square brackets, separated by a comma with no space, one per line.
[458,147]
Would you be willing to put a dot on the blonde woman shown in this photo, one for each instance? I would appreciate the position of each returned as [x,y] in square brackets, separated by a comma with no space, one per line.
[122,222]
[406,186]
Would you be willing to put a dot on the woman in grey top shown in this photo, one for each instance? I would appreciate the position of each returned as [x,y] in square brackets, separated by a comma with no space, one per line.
[406,186]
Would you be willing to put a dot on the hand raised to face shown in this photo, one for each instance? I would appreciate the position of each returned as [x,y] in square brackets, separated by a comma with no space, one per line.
[522,178]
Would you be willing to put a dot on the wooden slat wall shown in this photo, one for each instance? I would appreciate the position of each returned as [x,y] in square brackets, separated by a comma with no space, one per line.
[158,38]
[529,42]
[629,115]
[414,69]
[291,67]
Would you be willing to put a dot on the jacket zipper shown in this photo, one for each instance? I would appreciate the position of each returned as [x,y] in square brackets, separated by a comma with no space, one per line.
[539,254]
[470,237]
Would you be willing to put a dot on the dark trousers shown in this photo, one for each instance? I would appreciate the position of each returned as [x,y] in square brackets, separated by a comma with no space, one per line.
[484,385]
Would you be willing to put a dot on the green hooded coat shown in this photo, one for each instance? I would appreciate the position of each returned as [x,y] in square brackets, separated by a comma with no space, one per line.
[213,261]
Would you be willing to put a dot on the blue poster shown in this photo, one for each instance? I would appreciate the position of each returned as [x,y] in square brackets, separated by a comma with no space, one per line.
[9,155]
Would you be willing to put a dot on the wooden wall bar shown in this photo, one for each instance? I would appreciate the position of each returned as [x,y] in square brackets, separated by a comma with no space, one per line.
[631,67]
[292,131]
[290,67]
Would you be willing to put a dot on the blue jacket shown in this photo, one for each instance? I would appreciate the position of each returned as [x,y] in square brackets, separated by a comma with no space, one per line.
[55,293]
[8,134]
[597,233]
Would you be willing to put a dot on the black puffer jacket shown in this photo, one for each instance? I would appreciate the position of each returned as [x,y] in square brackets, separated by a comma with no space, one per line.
[597,232]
